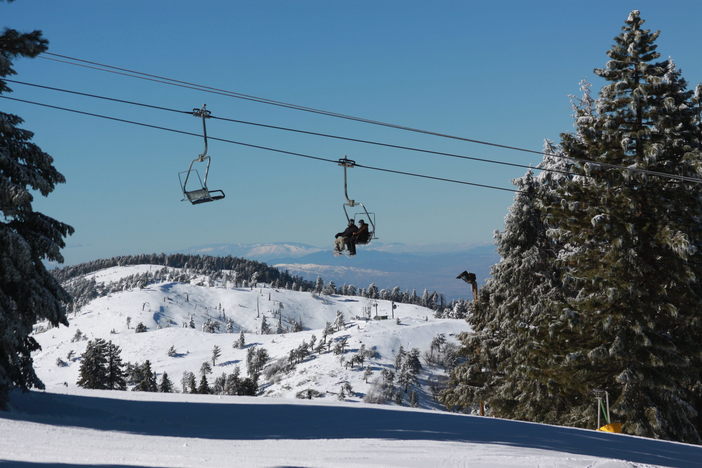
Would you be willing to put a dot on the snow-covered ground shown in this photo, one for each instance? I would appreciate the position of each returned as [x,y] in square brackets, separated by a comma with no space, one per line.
[70,425]
[92,427]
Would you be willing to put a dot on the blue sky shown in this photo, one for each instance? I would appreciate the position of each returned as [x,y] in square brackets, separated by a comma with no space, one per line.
[500,72]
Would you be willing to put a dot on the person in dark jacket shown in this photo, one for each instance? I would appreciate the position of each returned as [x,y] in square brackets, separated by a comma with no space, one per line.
[359,237]
[344,238]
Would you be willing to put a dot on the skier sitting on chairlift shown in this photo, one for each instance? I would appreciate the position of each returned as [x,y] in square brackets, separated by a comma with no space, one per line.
[344,238]
[360,237]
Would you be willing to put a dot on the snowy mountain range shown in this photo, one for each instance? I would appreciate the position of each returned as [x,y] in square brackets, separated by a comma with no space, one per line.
[430,267]
[339,426]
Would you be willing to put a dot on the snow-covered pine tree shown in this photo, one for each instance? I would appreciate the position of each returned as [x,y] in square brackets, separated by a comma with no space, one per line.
[188,382]
[93,366]
[625,317]
[218,388]
[634,250]
[329,289]
[241,342]
[114,368]
[339,322]
[216,353]
[27,238]
[372,291]
[514,307]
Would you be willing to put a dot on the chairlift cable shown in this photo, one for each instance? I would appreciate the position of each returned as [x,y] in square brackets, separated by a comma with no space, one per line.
[175,82]
[185,84]
[97,96]
[383,144]
[296,130]
[250,145]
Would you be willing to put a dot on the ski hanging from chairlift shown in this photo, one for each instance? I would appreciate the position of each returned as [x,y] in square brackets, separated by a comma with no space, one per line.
[358,217]
[194,188]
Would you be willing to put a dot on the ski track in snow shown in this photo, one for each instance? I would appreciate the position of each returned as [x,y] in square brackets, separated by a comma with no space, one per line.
[67,426]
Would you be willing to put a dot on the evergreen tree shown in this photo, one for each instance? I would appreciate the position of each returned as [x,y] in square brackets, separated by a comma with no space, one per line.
[216,353]
[93,366]
[318,285]
[615,280]
[339,322]
[329,289]
[512,312]
[165,386]
[141,328]
[28,293]
[147,383]
[204,387]
[188,382]
[633,250]
[231,386]
[242,340]
[114,368]
[220,384]
[372,292]
[265,328]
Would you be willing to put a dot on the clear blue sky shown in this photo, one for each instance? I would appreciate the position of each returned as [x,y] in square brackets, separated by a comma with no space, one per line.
[498,71]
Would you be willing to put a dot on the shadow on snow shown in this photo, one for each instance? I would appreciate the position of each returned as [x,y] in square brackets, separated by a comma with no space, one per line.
[301,421]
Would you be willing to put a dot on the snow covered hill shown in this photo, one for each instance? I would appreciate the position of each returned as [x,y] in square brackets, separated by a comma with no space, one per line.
[166,309]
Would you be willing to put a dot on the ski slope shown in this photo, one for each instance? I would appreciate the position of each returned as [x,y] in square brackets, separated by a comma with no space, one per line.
[94,428]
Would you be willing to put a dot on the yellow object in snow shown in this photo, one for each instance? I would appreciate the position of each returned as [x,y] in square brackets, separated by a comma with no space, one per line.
[614,427]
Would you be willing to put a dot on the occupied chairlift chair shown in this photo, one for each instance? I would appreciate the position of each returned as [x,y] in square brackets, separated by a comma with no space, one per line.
[197,192]
[348,163]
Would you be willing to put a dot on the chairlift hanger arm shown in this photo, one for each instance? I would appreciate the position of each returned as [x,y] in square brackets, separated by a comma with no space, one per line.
[347,163]
[204,114]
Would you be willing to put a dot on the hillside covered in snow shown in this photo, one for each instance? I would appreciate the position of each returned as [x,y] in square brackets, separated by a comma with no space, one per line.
[317,345]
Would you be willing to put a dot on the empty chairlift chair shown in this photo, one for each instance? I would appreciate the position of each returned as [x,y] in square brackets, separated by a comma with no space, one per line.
[194,188]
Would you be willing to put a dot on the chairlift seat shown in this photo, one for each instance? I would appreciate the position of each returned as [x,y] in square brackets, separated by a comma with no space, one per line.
[203,196]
